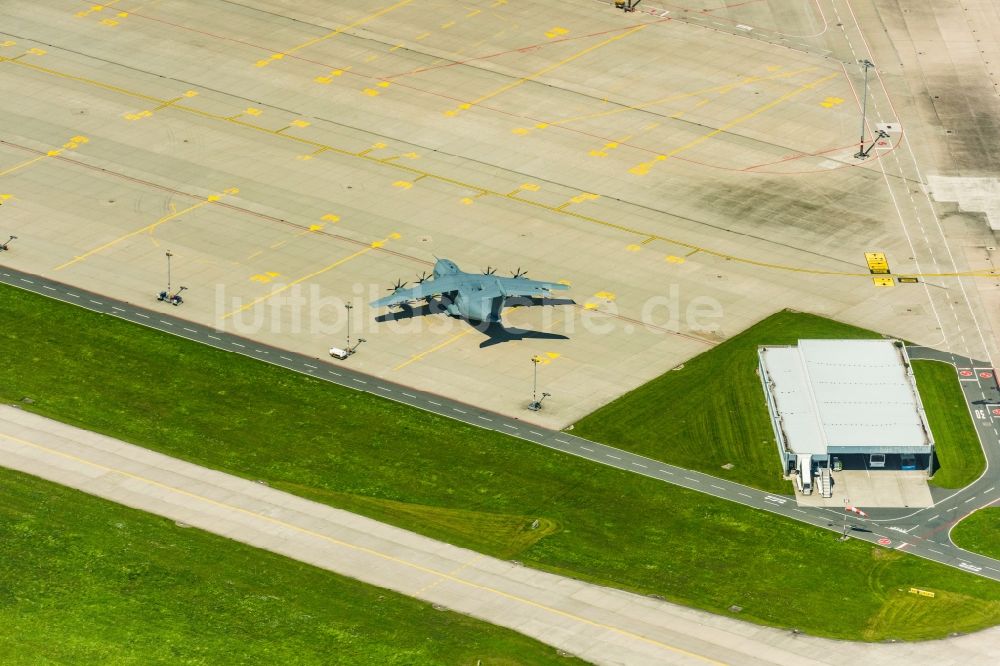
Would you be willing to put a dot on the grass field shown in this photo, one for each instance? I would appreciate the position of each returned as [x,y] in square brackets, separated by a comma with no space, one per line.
[980,532]
[711,412]
[956,442]
[472,487]
[86,581]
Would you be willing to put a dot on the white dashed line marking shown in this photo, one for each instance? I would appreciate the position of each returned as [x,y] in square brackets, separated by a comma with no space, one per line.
[536,433]
[933,518]
[360,381]
[507,425]
[935,551]
[72,295]
[438,404]
[454,409]
[484,418]
[118,309]
[716,487]
[639,465]
[220,340]
[236,344]
[384,388]
[798,510]
[139,314]
[408,395]
[969,500]
[313,367]
[335,374]
[96,302]
[45,286]
[667,471]
[26,280]
[562,441]
[611,456]
[165,323]
[284,358]
[692,480]
[584,448]
[991,490]
[744,495]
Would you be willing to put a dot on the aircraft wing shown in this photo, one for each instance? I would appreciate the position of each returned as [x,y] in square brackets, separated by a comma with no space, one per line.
[441,285]
[526,287]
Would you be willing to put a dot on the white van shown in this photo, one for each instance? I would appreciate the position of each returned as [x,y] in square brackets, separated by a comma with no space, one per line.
[876,460]
[339,353]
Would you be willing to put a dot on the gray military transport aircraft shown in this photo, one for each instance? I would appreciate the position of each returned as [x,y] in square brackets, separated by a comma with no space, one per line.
[474,297]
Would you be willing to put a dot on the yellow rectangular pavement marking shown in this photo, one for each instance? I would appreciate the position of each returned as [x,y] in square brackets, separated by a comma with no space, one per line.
[417,357]
[339,262]
[555,65]
[877,263]
[643,168]
[884,282]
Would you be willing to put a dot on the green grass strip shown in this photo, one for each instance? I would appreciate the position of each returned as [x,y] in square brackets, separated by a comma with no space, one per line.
[87,581]
[472,487]
[980,532]
[955,439]
[711,411]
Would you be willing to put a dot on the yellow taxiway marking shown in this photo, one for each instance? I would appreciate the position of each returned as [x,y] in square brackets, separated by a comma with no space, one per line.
[884,282]
[316,40]
[483,191]
[417,357]
[339,262]
[361,549]
[721,89]
[72,144]
[21,165]
[545,70]
[148,228]
[831,102]
[643,168]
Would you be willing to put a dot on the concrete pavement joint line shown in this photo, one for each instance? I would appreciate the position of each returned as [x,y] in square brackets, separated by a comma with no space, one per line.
[148,228]
[466,186]
[363,549]
[556,65]
[341,29]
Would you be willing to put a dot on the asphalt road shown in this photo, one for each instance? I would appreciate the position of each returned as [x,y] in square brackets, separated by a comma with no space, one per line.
[925,533]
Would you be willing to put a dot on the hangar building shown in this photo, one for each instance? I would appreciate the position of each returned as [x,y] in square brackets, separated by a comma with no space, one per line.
[851,403]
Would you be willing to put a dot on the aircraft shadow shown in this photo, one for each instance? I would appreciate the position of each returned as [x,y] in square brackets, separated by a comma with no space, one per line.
[495,333]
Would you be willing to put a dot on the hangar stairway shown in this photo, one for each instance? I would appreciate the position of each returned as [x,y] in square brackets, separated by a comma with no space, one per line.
[825,482]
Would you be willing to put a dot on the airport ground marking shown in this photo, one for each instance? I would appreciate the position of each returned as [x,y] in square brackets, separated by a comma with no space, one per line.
[149,228]
[545,70]
[643,168]
[355,547]
[484,190]
[373,245]
[721,89]
[278,55]
[440,345]
[72,144]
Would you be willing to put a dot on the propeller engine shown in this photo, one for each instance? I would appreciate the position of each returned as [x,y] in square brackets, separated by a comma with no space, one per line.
[489,270]
[519,273]
[399,285]
[422,277]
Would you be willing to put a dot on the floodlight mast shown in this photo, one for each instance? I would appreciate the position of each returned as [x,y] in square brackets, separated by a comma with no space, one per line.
[861,154]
